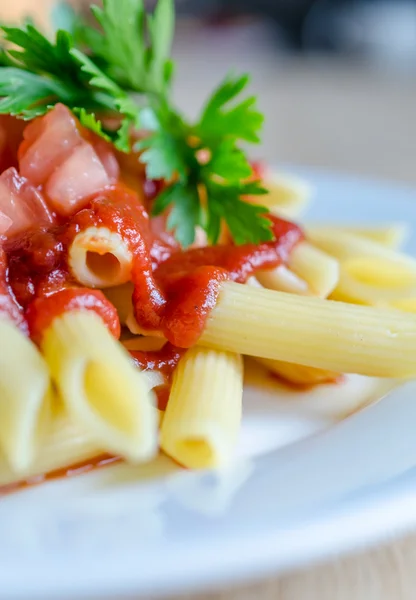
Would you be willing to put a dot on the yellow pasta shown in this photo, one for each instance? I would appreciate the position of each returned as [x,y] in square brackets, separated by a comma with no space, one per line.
[121,297]
[282,279]
[99,385]
[311,331]
[392,235]
[306,330]
[202,419]
[318,269]
[65,444]
[99,258]
[370,273]
[25,397]
[298,374]
[288,195]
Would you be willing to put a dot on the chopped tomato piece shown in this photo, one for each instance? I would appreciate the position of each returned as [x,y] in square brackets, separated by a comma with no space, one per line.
[11,134]
[107,157]
[21,205]
[48,142]
[5,223]
[79,176]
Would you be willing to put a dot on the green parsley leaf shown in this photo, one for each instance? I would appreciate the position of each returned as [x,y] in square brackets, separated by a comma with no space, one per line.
[130,60]
[165,151]
[26,94]
[185,211]
[124,68]
[229,162]
[247,222]
[38,55]
[242,121]
[90,121]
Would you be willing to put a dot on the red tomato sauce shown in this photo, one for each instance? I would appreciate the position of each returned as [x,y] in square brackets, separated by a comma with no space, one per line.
[44,309]
[9,308]
[174,291]
[165,360]
[162,396]
[178,296]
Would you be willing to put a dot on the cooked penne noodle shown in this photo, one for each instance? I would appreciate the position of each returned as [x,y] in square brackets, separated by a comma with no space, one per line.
[282,279]
[299,374]
[121,297]
[144,343]
[288,195]
[315,332]
[392,235]
[100,258]
[370,273]
[25,397]
[345,246]
[318,269]
[101,388]
[311,331]
[65,444]
[202,419]
[309,271]
[373,282]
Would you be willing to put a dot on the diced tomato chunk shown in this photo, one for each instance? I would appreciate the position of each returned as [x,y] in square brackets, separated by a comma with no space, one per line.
[22,207]
[107,157]
[48,141]
[5,223]
[80,175]
[11,134]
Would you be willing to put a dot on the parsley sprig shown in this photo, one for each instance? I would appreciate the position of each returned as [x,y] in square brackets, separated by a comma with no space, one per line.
[123,67]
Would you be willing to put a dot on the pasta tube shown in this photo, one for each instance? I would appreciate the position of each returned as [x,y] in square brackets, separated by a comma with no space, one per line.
[344,246]
[65,443]
[370,273]
[121,297]
[309,271]
[100,258]
[311,331]
[298,374]
[318,269]
[25,397]
[288,196]
[282,279]
[101,389]
[393,235]
[202,418]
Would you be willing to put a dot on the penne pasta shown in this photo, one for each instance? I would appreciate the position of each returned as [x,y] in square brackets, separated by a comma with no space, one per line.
[288,195]
[100,387]
[121,297]
[202,419]
[65,444]
[319,270]
[300,375]
[25,397]
[392,235]
[309,271]
[311,331]
[370,273]
[100,258]
[282,279]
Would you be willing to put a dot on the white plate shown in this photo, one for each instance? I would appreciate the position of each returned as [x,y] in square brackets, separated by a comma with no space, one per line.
[286,501]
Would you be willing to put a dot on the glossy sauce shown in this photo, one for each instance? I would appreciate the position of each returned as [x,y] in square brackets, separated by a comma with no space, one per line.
[44,309]
[178,296]
[162,396]
[165,360]
[9,308]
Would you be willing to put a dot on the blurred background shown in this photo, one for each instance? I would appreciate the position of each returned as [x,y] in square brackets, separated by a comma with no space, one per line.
[336,78]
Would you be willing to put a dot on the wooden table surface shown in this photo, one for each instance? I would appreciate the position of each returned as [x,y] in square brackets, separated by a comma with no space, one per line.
[338,115]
